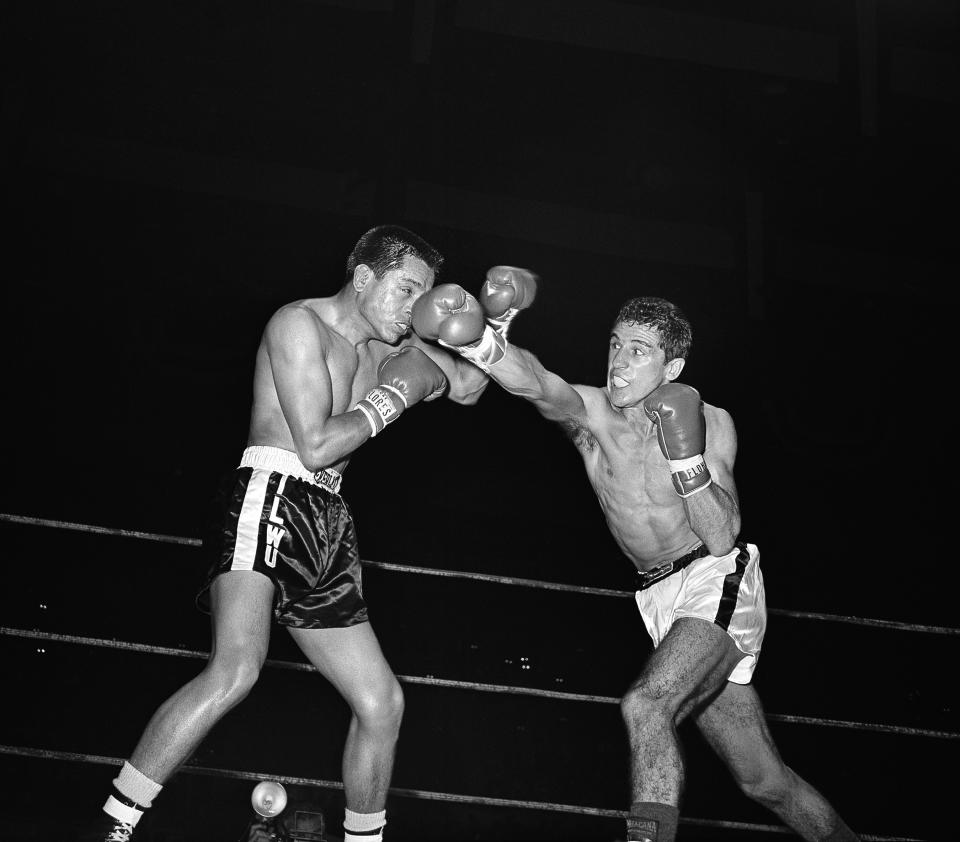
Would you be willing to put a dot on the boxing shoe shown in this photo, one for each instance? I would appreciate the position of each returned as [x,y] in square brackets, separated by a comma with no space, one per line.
[106,829]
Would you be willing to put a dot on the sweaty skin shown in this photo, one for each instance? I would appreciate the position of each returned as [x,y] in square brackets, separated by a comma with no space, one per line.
[618,443]
[319,356]
[688,671]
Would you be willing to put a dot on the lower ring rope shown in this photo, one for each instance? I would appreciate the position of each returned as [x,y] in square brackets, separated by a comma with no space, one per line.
[896,625]
[449,683]
[149,649]
[481,800]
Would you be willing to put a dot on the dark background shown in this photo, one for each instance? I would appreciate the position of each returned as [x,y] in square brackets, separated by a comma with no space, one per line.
[786,172]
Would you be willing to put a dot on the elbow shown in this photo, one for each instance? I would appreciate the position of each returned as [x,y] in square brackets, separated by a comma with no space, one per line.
[727,537]
[728,540]
[721,545]
[313,460]
[314,452]
[468,397]
[733,529]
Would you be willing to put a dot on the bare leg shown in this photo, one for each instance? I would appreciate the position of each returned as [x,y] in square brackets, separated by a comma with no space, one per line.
[241,605]
[734,725]
[691,664]
[351,659]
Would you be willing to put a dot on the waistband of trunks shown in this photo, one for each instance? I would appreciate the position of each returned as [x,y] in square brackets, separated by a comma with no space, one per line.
[287,462]
[646,578]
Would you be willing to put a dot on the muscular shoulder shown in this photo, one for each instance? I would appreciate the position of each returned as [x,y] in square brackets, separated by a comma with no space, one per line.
[297,325]
[721,432]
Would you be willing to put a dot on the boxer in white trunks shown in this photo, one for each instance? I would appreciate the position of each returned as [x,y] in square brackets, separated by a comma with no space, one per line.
[661,463]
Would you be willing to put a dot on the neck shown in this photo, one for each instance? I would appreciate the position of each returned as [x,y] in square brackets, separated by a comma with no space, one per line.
[344,316]
[636,417]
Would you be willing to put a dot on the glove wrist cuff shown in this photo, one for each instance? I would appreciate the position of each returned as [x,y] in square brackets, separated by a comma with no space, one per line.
[380,407]
[485,352]
[501,323]
[690,475]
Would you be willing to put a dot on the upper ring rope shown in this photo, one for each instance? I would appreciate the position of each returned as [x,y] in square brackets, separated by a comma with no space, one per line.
[486,801]
[299,666]
[480,577]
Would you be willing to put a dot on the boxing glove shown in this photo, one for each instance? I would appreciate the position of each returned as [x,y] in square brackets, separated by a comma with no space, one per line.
[677,412]
[450,315]
[506,291]
[404,378]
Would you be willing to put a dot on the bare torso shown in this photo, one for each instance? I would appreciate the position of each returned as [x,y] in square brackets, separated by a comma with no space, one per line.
[631,479]
[352,373]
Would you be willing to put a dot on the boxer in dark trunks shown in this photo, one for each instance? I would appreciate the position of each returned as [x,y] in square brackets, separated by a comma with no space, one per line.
[330,373]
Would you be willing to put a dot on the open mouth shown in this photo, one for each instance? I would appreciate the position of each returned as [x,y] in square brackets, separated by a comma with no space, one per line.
[618,381]
[403,327]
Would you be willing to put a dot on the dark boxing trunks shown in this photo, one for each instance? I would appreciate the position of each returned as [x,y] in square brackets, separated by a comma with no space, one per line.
[292,526]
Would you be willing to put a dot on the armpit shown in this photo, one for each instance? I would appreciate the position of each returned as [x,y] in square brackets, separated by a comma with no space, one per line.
[579,435]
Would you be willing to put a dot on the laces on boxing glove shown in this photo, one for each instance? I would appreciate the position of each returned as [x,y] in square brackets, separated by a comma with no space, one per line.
[501,323]
[487,351]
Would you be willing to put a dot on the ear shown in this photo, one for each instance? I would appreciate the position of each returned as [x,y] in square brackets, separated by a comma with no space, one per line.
[673,368]
[362,275]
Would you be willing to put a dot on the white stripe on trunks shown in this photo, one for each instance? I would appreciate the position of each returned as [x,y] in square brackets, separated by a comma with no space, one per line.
[248,526]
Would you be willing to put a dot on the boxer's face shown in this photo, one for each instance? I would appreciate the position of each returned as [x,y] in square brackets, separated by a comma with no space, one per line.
[636,364]
[391,298]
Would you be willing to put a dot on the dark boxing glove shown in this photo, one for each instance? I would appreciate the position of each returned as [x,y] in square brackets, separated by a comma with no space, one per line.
[677,412]
[405,377]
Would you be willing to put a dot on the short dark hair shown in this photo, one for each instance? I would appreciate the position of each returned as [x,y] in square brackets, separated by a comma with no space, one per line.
[676,334]
[383,248]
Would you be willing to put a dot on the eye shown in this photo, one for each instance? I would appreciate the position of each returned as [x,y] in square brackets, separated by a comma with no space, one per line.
[406,290]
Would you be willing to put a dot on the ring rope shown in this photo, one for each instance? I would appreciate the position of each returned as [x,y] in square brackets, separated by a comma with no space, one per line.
[24,520]
[483,800]
[482,577]
[429,680]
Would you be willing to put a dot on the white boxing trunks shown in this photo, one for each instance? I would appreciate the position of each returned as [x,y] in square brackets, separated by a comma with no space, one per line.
[725,590]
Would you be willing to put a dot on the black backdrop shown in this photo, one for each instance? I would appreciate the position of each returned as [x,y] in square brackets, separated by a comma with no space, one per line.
[785,172]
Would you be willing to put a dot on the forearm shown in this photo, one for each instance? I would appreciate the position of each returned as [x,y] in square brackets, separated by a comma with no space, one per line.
[714,516]
[522,374]
[334,441]
[468,383]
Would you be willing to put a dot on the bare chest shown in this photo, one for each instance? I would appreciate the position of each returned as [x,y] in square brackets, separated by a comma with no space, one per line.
[628,472]
[352,375]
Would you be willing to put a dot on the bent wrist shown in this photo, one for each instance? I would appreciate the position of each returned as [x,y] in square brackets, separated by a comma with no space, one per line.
[381,406]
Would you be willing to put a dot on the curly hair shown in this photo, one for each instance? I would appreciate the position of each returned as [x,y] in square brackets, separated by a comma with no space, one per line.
[676,334]
[383,248]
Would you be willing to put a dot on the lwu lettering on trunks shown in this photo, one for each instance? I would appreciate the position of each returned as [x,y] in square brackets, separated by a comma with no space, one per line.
[276,528]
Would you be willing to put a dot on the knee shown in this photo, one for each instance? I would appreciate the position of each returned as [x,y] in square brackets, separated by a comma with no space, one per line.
[381,710]
[642,707]
[770,787]
[233,677]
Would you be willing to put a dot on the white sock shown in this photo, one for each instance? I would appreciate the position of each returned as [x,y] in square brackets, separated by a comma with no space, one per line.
[136,786]
[136,793]
[363,827]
